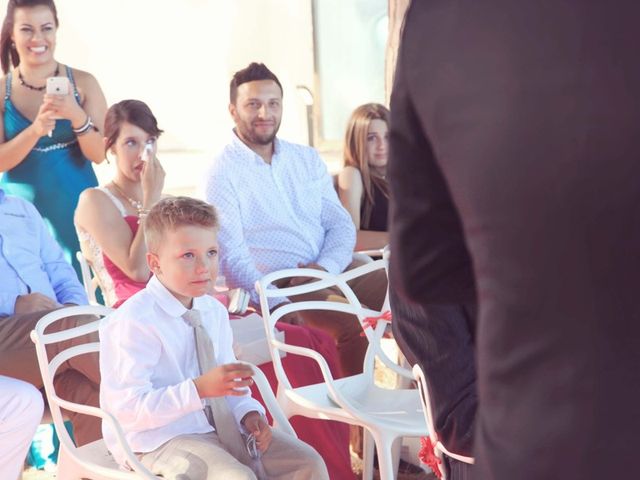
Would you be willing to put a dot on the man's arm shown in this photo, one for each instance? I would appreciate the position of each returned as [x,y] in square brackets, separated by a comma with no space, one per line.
[236,263]
[431,266]
[431,262]
[340,233]
[62,276]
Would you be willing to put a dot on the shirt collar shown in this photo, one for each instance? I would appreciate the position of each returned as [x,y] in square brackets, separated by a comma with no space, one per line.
[170,304]
[235,140]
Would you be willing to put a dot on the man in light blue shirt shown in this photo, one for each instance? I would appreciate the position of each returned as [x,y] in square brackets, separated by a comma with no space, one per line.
[278,209]
[35,279]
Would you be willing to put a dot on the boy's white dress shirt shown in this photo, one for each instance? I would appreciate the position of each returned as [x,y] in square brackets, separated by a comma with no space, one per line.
[147,362]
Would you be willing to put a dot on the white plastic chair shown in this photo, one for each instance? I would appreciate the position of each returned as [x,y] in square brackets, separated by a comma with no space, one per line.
[90,282]
[439,449]
[93,461]
[388,415]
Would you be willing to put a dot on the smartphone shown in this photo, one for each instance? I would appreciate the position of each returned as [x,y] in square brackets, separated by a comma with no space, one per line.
[57,86]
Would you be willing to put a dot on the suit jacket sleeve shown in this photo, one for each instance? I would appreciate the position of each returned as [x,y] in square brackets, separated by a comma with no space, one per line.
[430,265]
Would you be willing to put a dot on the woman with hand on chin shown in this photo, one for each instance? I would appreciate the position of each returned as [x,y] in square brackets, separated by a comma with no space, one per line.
[47,142]
[362,184]
[108,218]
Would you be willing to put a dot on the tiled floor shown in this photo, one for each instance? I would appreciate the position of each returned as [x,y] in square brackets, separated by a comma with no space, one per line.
[33,474]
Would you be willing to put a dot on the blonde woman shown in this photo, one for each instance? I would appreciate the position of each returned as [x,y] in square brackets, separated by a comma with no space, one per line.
[362,184]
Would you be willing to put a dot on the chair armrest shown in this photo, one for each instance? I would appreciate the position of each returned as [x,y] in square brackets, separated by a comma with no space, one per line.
[280,420]
[132,461]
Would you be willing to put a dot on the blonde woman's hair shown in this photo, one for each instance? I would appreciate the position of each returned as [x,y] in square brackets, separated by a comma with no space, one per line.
[355,153]
[173,212]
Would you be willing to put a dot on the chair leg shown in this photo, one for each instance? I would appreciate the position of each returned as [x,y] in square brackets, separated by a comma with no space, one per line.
[384,445]
[67,468]
[396,447]
[367,454]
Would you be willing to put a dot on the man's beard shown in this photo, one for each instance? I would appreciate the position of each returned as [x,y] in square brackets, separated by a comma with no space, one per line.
[256,139]
[262,139]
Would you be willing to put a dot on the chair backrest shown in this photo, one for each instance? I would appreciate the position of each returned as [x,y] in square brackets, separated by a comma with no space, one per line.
[49,368]
[374,333]
[439,448]
[89,281]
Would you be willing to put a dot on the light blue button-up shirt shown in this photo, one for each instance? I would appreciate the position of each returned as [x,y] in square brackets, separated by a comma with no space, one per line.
[30,259]
[276,216]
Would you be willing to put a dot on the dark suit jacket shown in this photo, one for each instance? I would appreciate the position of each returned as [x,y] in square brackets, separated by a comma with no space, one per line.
[515,169]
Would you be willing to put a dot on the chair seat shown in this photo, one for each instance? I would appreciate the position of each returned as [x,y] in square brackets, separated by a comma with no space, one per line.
[406,415]
[96,452]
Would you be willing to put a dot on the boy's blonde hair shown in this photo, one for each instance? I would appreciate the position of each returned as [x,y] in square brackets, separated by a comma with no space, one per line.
[172,212]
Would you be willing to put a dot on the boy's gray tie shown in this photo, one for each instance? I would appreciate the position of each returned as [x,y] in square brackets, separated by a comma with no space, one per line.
[217,410]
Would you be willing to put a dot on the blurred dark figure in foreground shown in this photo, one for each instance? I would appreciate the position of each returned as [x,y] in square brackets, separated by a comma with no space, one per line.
[514,172]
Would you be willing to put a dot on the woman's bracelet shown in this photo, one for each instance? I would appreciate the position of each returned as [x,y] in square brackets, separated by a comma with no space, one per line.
[88,125]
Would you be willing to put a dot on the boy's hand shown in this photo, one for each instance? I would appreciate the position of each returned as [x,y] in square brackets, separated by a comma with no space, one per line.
[255,424]
[225,380]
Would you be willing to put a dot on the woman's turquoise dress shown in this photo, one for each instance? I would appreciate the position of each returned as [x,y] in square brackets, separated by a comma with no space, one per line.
[52,175]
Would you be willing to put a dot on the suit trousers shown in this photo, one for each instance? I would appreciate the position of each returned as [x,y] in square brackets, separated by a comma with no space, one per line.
[371,290]
[78,380]
[203,457]
[457,470]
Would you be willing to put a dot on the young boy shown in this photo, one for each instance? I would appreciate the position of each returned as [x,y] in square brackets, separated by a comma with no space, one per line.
[155,376]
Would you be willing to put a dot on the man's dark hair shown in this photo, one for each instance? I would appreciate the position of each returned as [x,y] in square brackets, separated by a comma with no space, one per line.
[255,71]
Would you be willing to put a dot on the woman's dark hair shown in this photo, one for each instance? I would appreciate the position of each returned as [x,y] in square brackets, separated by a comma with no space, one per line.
[8,53]
[255,71]
[134,112]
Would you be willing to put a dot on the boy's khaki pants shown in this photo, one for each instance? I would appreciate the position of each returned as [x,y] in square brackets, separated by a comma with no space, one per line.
[202,457]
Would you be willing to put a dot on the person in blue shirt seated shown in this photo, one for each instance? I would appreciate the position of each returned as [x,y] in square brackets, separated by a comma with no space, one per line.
[35,279]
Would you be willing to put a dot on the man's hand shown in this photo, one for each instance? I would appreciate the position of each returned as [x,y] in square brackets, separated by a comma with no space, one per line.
[292,318]
[255,424]
[34,302]
[295,281]
[229,379]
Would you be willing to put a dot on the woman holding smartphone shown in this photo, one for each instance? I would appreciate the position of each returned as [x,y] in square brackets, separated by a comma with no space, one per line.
[47,141]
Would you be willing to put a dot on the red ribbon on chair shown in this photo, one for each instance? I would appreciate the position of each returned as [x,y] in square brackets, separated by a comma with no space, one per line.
[372,322]
[427,456]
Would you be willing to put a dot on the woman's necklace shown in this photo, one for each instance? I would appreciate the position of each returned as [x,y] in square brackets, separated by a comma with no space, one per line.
[134,203]
[31,87]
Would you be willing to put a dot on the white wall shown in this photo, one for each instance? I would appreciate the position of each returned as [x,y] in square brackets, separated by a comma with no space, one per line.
[179,55]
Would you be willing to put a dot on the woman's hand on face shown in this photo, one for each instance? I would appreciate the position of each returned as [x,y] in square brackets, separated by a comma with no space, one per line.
[45,120]
[66,106]
[152,178]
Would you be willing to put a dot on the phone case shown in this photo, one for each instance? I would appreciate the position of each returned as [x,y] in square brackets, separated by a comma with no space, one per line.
[57,86]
